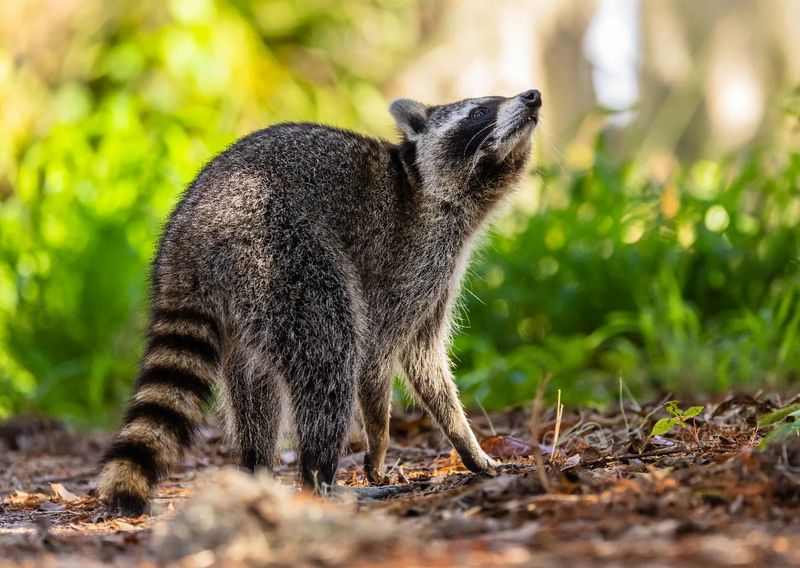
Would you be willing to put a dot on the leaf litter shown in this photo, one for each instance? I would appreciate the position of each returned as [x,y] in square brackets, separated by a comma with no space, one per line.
[612,494]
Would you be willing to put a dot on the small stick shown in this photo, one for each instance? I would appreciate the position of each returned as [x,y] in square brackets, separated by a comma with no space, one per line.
[650,454]
[486,415]
[622,408]
[394,466]
[559,414]
[536,419]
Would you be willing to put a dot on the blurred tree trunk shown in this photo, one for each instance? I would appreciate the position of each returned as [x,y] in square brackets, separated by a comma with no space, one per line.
[713,72]
[502,48]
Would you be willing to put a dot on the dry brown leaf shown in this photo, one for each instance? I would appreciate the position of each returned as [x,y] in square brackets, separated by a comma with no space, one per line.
[138,520]
[63,494]
[506,447]
[23,500]
[119,525]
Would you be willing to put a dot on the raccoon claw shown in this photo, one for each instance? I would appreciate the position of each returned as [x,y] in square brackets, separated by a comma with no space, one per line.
[379,479]
[375,477]
[374,472]
[492,467]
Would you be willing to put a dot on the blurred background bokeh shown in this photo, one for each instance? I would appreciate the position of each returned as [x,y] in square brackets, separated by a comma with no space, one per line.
[656,239]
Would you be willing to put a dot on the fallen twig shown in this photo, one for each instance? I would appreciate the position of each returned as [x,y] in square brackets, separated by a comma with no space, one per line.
[648,454]
[536,420]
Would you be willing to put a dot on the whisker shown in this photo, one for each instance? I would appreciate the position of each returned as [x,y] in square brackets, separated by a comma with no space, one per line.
[476,158]
[473,138]
[550,140]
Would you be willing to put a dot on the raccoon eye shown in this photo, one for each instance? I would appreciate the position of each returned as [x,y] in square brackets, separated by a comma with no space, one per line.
[478,112]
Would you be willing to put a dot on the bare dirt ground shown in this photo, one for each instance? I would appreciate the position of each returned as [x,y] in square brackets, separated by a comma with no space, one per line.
[702,495]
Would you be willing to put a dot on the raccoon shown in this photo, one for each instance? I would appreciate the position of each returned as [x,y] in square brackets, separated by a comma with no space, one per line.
[301,269]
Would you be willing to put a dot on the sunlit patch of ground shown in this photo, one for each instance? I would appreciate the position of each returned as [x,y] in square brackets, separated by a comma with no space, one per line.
[699,495]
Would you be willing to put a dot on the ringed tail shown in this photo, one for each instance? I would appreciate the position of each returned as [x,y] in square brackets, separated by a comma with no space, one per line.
[172,391]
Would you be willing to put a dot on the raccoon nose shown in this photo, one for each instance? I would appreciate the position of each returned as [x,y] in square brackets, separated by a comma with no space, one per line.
[532,98]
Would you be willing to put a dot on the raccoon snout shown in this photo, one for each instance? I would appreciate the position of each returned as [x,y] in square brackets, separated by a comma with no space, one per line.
[532,99]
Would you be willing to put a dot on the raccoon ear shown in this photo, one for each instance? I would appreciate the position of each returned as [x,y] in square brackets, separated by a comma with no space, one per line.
[409,115]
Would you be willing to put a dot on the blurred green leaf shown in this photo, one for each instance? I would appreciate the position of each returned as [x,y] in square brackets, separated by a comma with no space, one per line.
[778,415]
[692,411]
[663,426]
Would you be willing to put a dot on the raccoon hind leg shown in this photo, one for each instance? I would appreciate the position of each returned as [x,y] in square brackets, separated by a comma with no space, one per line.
[322,392]
[315,322]
[252,400]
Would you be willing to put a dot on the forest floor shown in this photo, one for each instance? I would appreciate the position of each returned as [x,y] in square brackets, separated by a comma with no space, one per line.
[700,495]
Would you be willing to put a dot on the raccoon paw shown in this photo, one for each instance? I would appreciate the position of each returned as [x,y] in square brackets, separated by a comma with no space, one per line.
[374,472]
[480,463]
[123,504]
[376,478]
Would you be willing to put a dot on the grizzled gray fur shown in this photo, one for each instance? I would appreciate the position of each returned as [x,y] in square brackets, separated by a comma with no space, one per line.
[305,265]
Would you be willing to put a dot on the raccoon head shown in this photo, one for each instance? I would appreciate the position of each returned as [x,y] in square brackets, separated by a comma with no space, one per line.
[471,149]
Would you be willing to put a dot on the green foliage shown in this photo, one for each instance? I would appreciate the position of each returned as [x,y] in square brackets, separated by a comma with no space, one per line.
[790,415]
[687,282]
[778,415]
[678,418]
[145,96]
[690,284]
[784,431]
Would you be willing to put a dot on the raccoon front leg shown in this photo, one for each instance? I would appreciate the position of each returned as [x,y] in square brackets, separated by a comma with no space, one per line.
[430,379]
[375,394]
